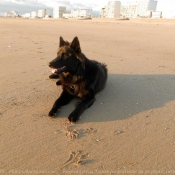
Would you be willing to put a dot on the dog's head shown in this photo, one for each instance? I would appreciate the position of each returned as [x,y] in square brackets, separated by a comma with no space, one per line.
[68,58]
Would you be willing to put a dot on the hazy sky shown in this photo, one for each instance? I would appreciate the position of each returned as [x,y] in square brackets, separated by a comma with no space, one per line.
[24,6]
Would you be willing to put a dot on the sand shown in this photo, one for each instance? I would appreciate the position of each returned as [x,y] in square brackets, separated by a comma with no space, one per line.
[130,129]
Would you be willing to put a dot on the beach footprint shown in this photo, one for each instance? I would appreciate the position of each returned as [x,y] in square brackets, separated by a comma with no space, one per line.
[72,133]
[75,158]
[118,132]
[90,131]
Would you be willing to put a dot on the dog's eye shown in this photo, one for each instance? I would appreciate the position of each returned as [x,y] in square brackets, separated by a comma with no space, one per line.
[65,55]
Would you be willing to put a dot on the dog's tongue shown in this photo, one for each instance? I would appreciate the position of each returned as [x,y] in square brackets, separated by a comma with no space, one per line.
[54,70]
[59,70]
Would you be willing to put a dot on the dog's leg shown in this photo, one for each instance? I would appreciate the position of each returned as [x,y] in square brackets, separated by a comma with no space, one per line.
[86,103]
[53,76]
[58,82]
[64,99]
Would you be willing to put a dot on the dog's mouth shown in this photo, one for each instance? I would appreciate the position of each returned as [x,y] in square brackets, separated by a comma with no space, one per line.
[58,70]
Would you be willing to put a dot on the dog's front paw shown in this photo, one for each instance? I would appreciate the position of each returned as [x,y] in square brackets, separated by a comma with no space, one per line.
[53,76]
[74,116]
[52,113]
[58,83]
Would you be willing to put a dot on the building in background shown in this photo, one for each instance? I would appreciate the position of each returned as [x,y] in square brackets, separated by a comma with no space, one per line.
[41,13]
[12,13]
[26,15]
[129,11]
[85,13]
[156,14]
[103,13]
[75,13]
[6,14]
[142,8]
[167,8]
[33,14]
[49,13]
[111,10]
[58,11]
[145,7]
[67,15]
[82,13]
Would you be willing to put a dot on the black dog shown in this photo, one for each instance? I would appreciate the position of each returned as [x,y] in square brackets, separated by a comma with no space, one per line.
[78,76]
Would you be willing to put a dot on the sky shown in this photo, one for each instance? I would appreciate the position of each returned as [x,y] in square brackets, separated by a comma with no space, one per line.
[26,6]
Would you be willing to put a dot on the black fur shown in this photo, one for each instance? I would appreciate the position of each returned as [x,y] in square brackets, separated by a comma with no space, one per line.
[78,76]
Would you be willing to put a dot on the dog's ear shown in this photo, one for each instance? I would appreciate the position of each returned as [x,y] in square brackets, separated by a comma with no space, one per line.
[75,45]
[81,57]
[62,42]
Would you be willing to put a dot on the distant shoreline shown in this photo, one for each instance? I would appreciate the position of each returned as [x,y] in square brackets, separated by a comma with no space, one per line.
[129,20]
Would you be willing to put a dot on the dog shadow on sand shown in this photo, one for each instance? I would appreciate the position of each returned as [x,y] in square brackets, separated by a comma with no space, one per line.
[125,96]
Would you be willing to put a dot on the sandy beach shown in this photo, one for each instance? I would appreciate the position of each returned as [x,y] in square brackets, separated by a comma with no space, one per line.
[130,129]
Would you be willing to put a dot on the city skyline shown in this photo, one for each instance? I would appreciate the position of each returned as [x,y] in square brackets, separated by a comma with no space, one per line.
[24,6]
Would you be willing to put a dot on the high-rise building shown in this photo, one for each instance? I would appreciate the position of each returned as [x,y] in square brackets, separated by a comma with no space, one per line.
[144,6]
[103,13]
[129,11]
[41,13]
[49,13]
[112,10]
[58,11]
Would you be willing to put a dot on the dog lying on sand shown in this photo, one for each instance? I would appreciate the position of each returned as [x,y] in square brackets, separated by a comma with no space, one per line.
[78,76]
